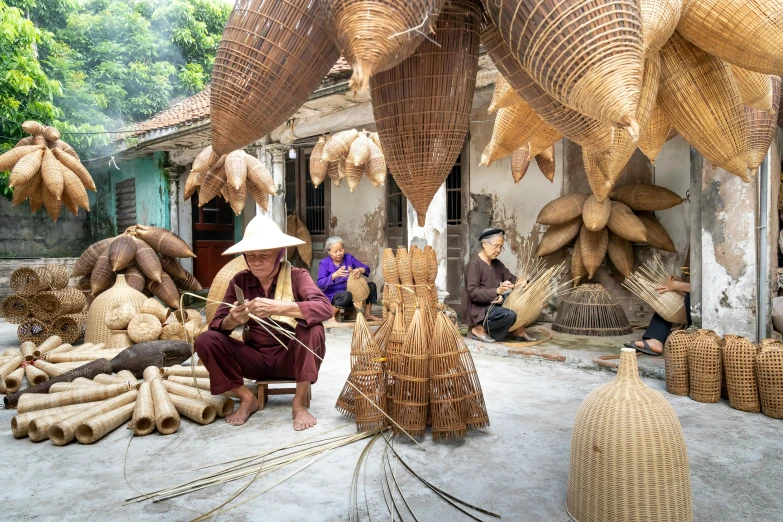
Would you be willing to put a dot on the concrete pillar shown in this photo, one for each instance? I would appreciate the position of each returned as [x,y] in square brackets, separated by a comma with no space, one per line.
[433,232]
[173,174]
[276,209]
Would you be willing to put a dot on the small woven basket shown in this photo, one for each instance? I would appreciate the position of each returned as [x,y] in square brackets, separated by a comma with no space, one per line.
[676,355]
[70,328]
[704,367]
[97,332]
[120,315]
[739,362]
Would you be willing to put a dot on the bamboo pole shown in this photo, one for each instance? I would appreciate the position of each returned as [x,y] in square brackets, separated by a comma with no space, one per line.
[223,405]
[64,431]
[193,409]
[34,375]
[21,422]
[166,416]
[96,428]
[41,401]
[143,421]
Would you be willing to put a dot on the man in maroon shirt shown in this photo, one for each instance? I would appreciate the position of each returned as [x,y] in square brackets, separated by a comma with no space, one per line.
[279,294]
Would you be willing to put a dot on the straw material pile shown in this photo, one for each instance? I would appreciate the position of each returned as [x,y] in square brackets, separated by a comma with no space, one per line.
[535,286]
[47,171]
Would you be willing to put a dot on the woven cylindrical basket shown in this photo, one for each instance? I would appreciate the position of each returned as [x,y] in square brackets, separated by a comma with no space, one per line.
[166,416]
[64,431]
[704,366]
[154,307]
[217,291]
[676,355]
[561,210]
[35,401]
[422,106]
[193,409]
[558,236]
[411,371]
[69,327]
[54,303]
[590,310]
[25,282]
[21,422]
[739,362]
[223,405]
[15,309]
[447,376]
[94,429]
[56,374]
[769,367]
[109,379]
[32,330]
[628,454]
[143,419]
[97,332]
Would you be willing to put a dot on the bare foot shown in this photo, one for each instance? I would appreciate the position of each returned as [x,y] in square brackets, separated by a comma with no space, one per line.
[373,318]
[302,418]
[245,410]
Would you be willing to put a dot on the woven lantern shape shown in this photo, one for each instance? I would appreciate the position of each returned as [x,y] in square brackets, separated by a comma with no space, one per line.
[745,33]
[590,310]
[628,456]
[374,35]
[97,331]
[217,291]
[700,98]
[588,54]
[761,128]
[271,57]
[422,106]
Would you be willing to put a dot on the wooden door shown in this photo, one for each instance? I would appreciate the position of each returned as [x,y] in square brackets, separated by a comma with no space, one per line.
[213,233]
[396,215]
[457,229]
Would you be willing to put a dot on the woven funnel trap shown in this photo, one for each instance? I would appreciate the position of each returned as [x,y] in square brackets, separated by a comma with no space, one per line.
[411,372]
[590,310]
[271,57]
[676,353]
[367,376]
[643,283]
[762,125]
[422,105]
[447,377]
[628,455]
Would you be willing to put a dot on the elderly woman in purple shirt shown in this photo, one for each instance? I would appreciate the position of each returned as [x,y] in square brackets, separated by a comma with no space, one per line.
[333,274]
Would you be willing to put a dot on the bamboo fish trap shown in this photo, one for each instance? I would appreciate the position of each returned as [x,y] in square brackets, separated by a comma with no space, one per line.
[762,126]
[527,300]
[654,134]
[143,419]
[671,305]
[659,20]
[422,106]
[704,366]
[676,354]
[739,362]
[591,311]
[411,379]
[367,376]
[223,405]
[756,89]
[64,431]
[769,367]
[94,429]
[447,376]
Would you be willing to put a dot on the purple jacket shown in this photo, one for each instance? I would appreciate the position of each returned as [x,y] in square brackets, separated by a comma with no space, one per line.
[327,268]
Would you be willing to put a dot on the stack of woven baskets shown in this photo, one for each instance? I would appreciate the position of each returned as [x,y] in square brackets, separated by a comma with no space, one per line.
[42,304]
[153,321]
[409,281]
[707,367]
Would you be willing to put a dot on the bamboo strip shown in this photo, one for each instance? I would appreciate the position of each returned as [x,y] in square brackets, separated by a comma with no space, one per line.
[166,416]
[64,431]
[21,422]
[143,422]
[39,401]
[223,405]
[195,410]
[96,428]
[34,375]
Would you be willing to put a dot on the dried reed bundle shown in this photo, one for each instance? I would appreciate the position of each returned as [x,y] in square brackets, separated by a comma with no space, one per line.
[642,196]
[625,223]
[223,405]
[671,305]
[704,366]
[166,415]
[34,401]
[411,379]
[447,377]
[769,367]
[64,431]
[620,254]
[514,127]
[739,363]
[562,210]
[762,128]
[558,236]
[655,134]
[595,214]
[94,429]
[520,161]
[143,418]
[195,410]
[20,423]
[527,300]
[657,237]
[591,311]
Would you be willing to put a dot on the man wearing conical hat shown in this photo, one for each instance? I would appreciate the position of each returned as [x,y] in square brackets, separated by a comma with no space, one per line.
[287,301]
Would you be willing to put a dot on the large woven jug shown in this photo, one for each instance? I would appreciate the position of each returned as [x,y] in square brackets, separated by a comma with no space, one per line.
[121,292]
[628,457]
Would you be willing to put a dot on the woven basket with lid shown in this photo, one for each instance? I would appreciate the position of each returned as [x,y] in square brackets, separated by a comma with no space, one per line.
[97,332]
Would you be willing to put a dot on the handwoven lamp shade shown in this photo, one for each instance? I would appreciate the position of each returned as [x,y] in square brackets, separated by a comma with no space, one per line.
[422,106]
[97,332]
[739,363]
[217,291]
[271,57]
[769,365]
[590,310]
[628,456]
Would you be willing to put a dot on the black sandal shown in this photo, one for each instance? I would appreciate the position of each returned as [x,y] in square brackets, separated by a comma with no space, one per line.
[646,350]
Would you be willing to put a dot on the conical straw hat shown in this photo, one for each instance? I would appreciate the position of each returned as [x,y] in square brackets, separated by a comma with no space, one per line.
[263,234]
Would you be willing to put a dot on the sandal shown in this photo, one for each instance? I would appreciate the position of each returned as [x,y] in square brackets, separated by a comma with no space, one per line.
[483,338]
[646,350]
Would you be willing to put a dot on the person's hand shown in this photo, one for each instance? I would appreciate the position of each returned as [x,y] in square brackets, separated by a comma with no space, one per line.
[505,286]
[239,314]
[667,286]
[341,272]
[521,282]
[262,308]
[356,273]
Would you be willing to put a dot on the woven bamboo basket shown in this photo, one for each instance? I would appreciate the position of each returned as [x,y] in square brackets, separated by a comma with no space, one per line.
[63,348]
[739,362]
[9,363]
[542,143]
[97,332]
[592,63]
[473,406]
[57,374]
[422,122]
[217,291]
[143,418]
[620,253]
[527,301]
[53,303]
[59,275]
[558,236]
[166,290]
[762,126]
[578,270]
[676,355]
[195,410]
[546,164]
[32,330]
[148,262]
[164,241]
[122,252]
[520,161]
[36,401]
[174,331]
[595,213]
[504,95]
[659,20]
[375,169]
[173,267]
[21,422]
[166,416]
[51,369]
[38,429]
[346,402]
[755,88]
[25,282]
[625,429]
[562,209]
[143,328]
[704,367]
[119,316]
[581,129]
[94,429]
[769,368]
[119,340]
[671,305]
[591,311]
[108,379]
[338,146]
[393,347]
[700,98]
[646,197]
[15,309]
[657,237]
[135,278]
[128,376]
[593,246]
[87,260]
[102,276]
[655,134]
[317,166]
[223,405]
[64,431]
[367,376]
[152,372]
[625,223]
[447,376]
[404,269]
[411,379]
[154,307]
[271,57]
[34,375]
[358,288]
[13,381]
[514,127]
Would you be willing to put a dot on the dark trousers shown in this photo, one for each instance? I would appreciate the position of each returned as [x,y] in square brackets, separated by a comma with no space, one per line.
[659,327]
[498,321]
[344,300]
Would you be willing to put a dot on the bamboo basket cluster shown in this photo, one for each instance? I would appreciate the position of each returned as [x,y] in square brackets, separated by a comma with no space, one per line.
[404,289]
[643,283]
[590,310]
[47,171]
[349,154]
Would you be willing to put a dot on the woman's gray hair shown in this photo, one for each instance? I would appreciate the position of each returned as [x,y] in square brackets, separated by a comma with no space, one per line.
[333,240]
[490,239]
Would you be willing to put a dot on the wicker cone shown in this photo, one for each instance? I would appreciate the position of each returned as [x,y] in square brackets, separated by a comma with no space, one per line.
[236,168]
[646,197]
[417,115]
[542,143]
[339,145]
[367,375]
[557,236]
[36,401]
[704,367]
[94,429]
[504,95]
[217,291]
[204,161]
[317,166]
[97,332]
[15,309]
[657,237]
[47,346]
[266,45]
[375,169]
[120,315]
[520,161]
[164,241]
[578,270]
[166,416]
[624,428]
[620,254]
[32,330]
[514,128]
[258,174]
[20,423]
[26,168]
[223,405]
[625,223]
[165,290]
[561,210]
[188,283]
[51,369]
[769,367]
[591,311]
[447,376]
[64,431]
[213,183]
[593,246]
[411,379]
[676,354]
[53,204]
[659,20]
[26,190]
[102,276]
[143,419]
[13,381]
[87,260]
[654,134]
[755,89]
[700,98]
[739,362]
[135,278]
[762,128]
[119,340]
[10,158]
[122,252]
[595,213]
[546,164]
[34,375]
[75,166]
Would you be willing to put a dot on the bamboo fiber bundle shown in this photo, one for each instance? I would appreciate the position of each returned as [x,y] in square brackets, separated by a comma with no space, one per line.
[625,223]
[558,236]
[13,381]
[217,291]
[83,355]
[671,305]
[35,401]
[223,405]
[769,368]
[625,429]
[143,419]
[411,379]
[620,254]
[15,309]
[592,63]
[447,377]
[166,415]
[271,57]
[514,127]
[94,429]
[756,89]
[34,375]
[762,128]
[32,330]
[64,431]
[591,311]
[676,354]
[520,161]
[655,134]
[657,237]
[642,196]
[21,422]
[97,332]
[528,300]
[56,374]
[562,209]
[70,327]
[700,98]
[595,213]
[422,121]
[193,409]
[593,246]
[739,362]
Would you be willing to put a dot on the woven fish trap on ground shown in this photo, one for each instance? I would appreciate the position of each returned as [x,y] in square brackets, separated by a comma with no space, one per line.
[587,53]
[97,332]
[422,105]
[739,363]
[87,370]
[15,309]
[25,282]
[346,402]
[628,454]
[704,367]
[762,126]
[676,355]
[393,347]
[473,405]
[33,330]
[581,129]
[367,376]
[447,376]
[54,303]
[769,367]
[700,98]
[271,57]
[94,429]
[69,327]
[655,134]
[671,305]
[590,310]
[217,291]
[411,380]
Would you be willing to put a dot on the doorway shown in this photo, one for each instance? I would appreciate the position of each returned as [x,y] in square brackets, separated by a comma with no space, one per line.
[213,233]
[457,250]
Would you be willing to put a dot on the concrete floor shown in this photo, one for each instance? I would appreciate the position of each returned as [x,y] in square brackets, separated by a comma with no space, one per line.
[518,467]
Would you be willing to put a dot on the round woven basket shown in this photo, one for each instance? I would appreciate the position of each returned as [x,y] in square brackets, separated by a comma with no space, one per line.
[628,455]
[676,355]
[422,106]
[25,282]
[154,307]
[590,310]
[70,328]
[769,365]
[97,332]
[358,288]
[119,316]
[15,309]
[143,328]
[217,291]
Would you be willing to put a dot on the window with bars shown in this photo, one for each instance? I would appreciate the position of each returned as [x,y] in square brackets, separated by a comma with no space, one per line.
[454,194]
[315,202]
[290,185]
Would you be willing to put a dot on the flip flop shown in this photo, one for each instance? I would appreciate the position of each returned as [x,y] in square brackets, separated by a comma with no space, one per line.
[646,350]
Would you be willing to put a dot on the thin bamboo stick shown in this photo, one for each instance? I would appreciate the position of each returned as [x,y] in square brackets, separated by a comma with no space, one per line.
[193,409]
[166,416]
[21,422]
[223,405]
[143,422]
[64,431]
[41,401]
[96,428]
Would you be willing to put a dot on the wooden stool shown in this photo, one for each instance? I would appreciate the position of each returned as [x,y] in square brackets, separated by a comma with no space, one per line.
[264,391]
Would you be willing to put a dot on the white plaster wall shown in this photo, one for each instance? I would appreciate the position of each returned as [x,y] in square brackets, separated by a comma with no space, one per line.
[672,171]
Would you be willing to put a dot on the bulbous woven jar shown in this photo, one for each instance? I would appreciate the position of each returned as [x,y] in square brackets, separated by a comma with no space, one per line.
[97,331]
[628,457]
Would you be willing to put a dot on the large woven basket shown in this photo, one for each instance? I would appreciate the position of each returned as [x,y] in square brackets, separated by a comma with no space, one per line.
[217,291]
[271,57]
[762,126]
[704,366]
[590,310]
[422,106]
[676,355]
[739,362]
[769,365]
[97,331]
[628,456]
[586,53]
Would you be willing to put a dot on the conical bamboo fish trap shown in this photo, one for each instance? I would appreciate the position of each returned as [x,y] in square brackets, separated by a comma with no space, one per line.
[422,122]
[447,376]
[561,210]
[546,164]
[58,374]
[769,368]
[318,167]
[411,379]
[223,405]
[193,409]
[64,431]
[590,310]
[700,98]
[580,129]
[152,372]
[558,236]
[542,142]
[143,419]
[514,127]
[657,237]
[595,213]
[271,57]
[504,95]
[21,422]
[704,367]
[47,346]
[593,246]
[761,128]
[755,88]
[94,429]
[628,454]
[34,401]
[676,354]
[527,301]
[620,253]
[97,332]
[121,252]
[359,289]
[473,405]
[659,20]
[520,161]
[625,223]
[642,196]
[655,134]
[578,270]
[367,376]
[592,63]
[739,361]
[217,291]
[361,336]
[166,416]
[671,305]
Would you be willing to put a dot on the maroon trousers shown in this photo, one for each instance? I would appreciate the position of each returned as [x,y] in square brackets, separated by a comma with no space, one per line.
[229,361]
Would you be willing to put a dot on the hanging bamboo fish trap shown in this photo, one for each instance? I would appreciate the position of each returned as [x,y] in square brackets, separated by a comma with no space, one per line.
[543,141]
[514,127]
[593,246]
[546,164]
[562,209]
[700,98]
[762,126]
[528,300]
[628,454]
[447,376]
[520,161]
[595,213]
[217,291]
[271,57]
[558,236]
[411,379]
[422,122]
[671,305]
[756,89]
[739,362]
[657,237]
[642,196]
[624,223]
[704,367]
[659,20]
[591,311]
[620,252]
[504,95]
[676,354]
[654,134]
[318,167]
[592,63]
[577,127]
[769,367]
